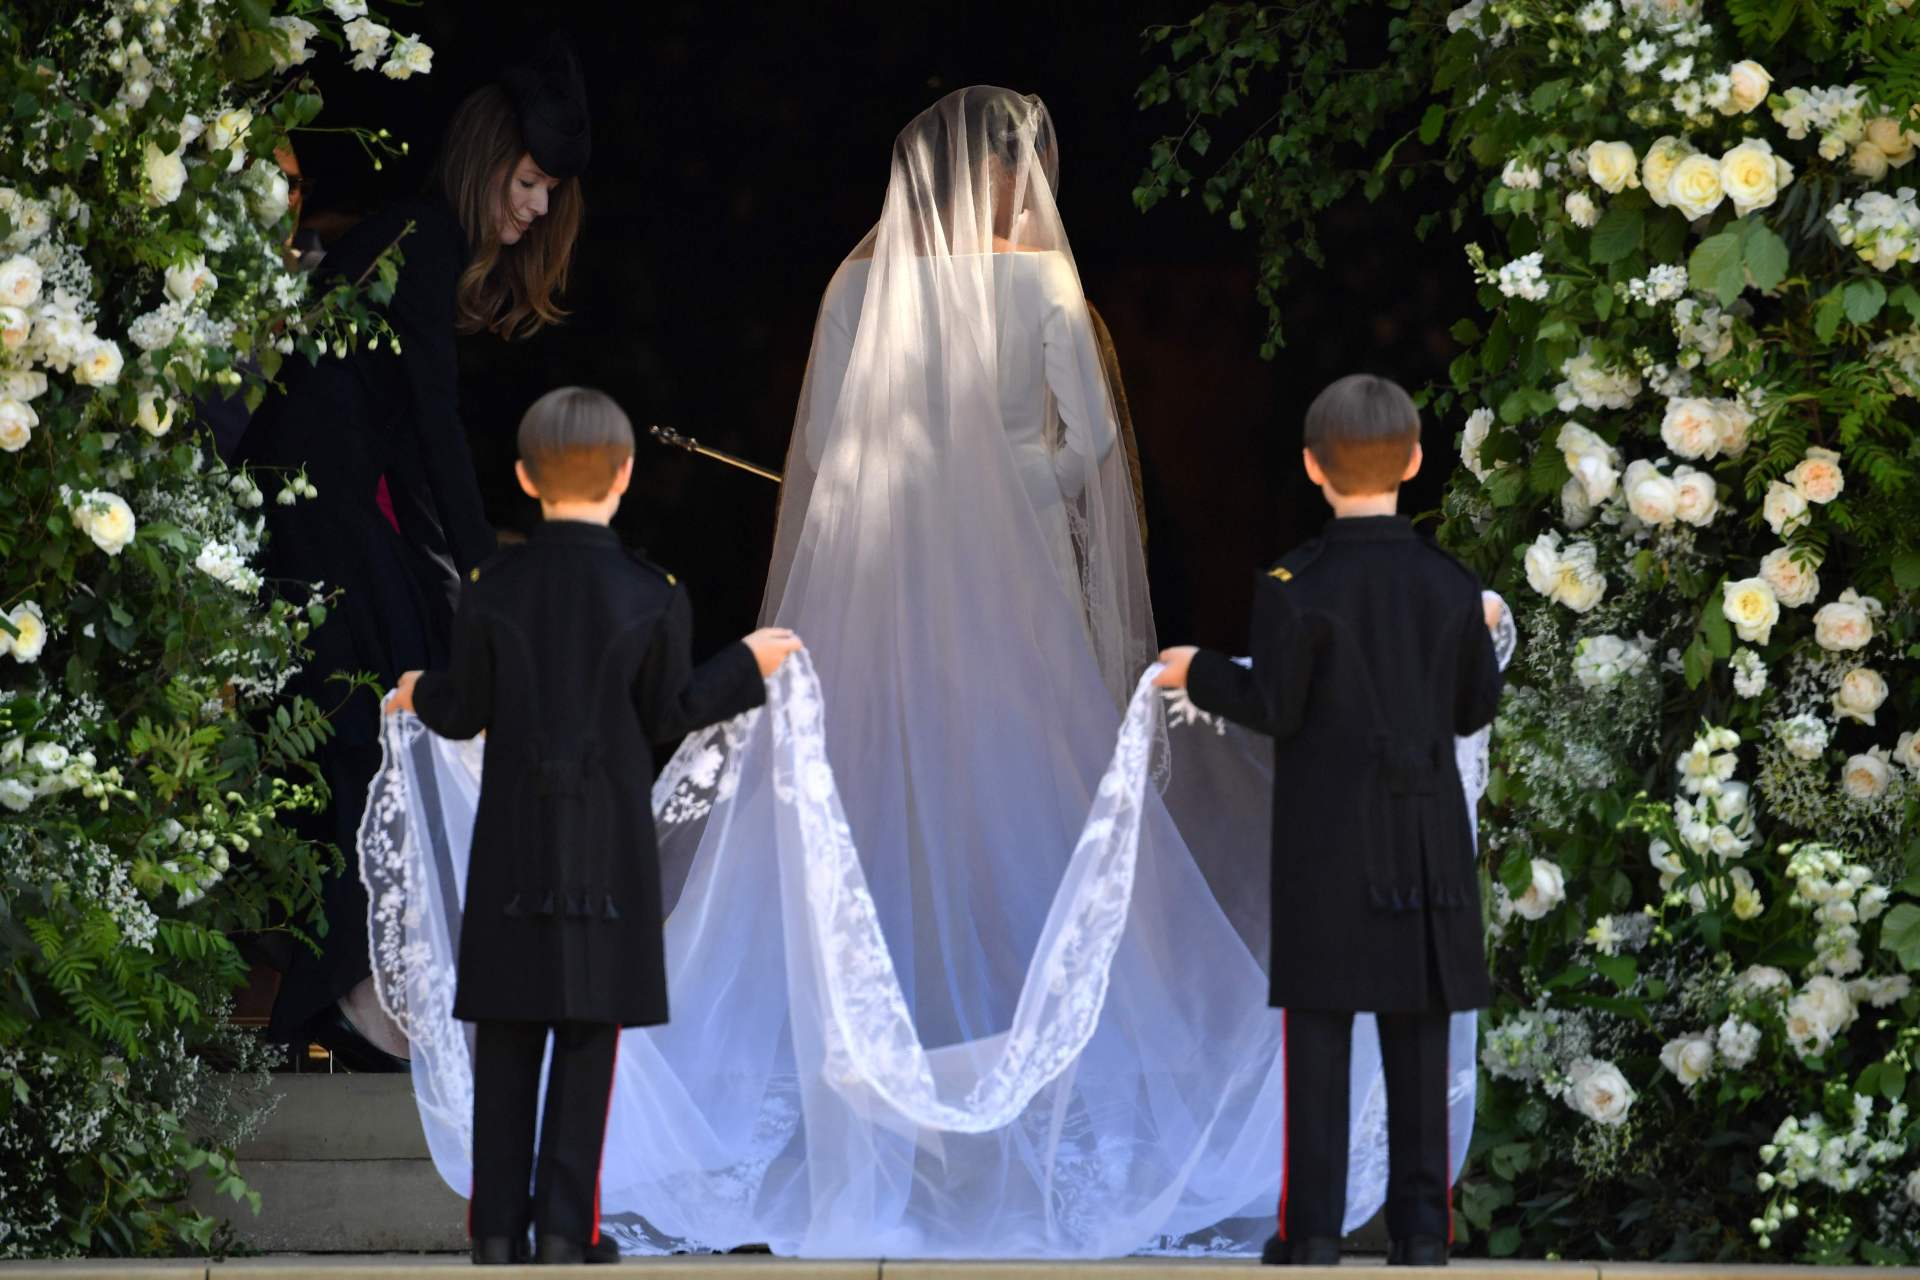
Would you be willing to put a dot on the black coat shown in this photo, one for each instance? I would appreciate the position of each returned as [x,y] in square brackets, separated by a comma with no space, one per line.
[1370,653]
[573,657]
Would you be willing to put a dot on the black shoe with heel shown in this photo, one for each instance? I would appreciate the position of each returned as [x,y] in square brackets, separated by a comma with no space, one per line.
[333,1031]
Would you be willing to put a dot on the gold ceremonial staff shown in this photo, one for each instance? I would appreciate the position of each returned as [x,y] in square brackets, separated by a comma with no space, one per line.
[668,436]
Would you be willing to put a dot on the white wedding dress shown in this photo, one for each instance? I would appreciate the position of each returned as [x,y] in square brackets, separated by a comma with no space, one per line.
[949,974]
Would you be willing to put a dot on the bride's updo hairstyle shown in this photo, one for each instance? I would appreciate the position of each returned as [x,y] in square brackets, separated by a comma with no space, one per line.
[1004,135]
[1362,430]
[573,442]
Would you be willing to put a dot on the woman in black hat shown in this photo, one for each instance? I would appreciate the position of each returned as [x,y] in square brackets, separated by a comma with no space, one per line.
[487,248]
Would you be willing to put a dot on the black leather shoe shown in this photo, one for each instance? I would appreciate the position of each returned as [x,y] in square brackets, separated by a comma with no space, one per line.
[604,1250]
[1418,1251]
[499,1251]
[560,1251]
[1313,1251]
[332,1031]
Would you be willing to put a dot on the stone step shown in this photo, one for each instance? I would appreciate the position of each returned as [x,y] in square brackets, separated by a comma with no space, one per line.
[341,1116]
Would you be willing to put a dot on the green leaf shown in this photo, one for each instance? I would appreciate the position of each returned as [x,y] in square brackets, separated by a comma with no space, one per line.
[1617,235]
[1602,300]
[1718,266]
[1907,298]
[1619,970]
[1863,300]
[1432,123]
[1906,570]
[1697,661]
[1900,934]
[1504,1242]
[1827,313]
[1766,256]
[1713,622]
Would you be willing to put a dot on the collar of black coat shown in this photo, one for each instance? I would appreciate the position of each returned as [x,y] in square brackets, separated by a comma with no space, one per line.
[1369,528]
[575,533]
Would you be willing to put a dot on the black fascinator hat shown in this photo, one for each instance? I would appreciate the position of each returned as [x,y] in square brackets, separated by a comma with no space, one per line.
[550,98]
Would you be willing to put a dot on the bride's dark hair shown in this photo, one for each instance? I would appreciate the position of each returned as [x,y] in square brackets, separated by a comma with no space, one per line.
[998,126]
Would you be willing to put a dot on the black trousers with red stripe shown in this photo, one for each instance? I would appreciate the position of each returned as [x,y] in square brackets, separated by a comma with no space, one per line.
[1313,1181]
[560,1198]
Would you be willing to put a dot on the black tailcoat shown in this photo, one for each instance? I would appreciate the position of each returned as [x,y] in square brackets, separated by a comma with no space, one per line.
[1370,652]
[573,656]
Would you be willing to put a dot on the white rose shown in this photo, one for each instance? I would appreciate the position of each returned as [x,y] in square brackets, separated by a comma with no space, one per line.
[1591,461]
[1794,584]
[1543,563]
[1894,142]
[99,365]
[107,519]
[1861,692]
[1827,999]
[1738,1042]
[17,421]
[30,627]
[16,326]
[1866,776]
[228,130]
[1652,497]
[1869,162]
[155,413]
[188,280]
[1817,477]
[23,384]
[1578,583]
[1613,166]
[270,192]
[1600,1092]
[1581,210]
[1694,186]
[1784,508]
[1749,176]
[1547,891]
[1692,428]
[1761,980]
[19,281]
[1735,421]
[1689,1058]
[1657,170]
[166,175]
[1749,88]
[1842,625]
[1479,423]
[1697,496]
[1576,508]
[1752,608]
[1907,752]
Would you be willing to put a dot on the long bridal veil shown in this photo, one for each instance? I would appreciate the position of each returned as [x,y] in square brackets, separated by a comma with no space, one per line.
[947,977]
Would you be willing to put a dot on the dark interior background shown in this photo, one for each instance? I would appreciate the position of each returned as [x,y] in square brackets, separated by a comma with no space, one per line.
[741,149]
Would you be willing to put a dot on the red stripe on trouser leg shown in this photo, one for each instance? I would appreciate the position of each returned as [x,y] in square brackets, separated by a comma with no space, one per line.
[1286,1121]
[612,1076]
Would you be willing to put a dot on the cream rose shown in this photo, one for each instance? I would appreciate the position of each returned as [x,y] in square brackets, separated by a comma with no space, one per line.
[228,130]
[1750,83]
[17,421]
[1689,1058]
[1697,497]
[188,280]
[1578,582]
[1656,171]
[1894,142]
[1613,166]
[1906,752]
[1752,608]
[1692,428]
[1866,777]
[1542,563]
[1735,422]
[30,632]
[99,365]
[1843,625]
[1795,584]
[19,281]
[154,414]
[1547,891]
[1591,460]
[1749,176]
[1869,162]
[107,519]
[1784,508]
[1817,477]
[1860,694]
[1694,187]
[1652,497]
[1600,1092]
[166,175]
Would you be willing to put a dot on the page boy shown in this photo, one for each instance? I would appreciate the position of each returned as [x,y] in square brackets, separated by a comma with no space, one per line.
[1370,652]
[572,655]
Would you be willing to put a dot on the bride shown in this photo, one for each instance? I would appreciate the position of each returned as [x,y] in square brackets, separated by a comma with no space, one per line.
[958,544]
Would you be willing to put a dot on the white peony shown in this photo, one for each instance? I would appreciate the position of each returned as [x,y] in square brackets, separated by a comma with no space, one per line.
[1600,1092]
[1652,497]
[1547,891]
[1748,90]
[30,632]
[1738,1041]
[1750,605]
[1613,166]
[1784,508]
[17,421]
[189,280]
[1817,476]
[1860,694]
[1692,428]
[20,281]
[1845,624]
[166,175]
[1697,497]
[1689,1058]
[106,518]
[1694,187]
[1866,777]
[1794,583]
[1581,210]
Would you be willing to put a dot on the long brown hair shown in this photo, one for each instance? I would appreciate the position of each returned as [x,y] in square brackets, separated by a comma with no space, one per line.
[507,289]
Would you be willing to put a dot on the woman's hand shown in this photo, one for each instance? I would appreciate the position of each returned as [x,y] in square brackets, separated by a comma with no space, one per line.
[401,699]
[770,647]
[1177,661]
